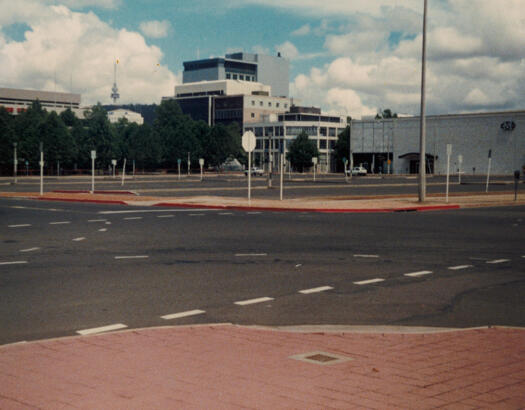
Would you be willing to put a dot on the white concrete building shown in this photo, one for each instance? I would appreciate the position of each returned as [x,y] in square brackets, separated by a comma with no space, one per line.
[120,113]
[16,101]
[471,136]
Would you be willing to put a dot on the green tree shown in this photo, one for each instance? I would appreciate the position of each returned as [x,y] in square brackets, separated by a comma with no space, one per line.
[301,152]
[341,147]
[100,136]
[143,146]
[58,142]
[27,132]
[222,142]
[386,114]
[7,138]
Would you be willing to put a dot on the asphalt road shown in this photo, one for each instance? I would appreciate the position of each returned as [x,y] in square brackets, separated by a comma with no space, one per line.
[67,267]
[295,186]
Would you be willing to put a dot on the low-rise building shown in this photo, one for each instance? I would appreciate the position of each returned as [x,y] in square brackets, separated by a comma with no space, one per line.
[120,113]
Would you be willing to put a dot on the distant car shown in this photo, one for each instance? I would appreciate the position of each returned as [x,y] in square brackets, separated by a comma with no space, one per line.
[255,171]
[357,171]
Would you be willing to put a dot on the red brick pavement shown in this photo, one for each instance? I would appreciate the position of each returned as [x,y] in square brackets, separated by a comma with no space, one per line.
[227,366]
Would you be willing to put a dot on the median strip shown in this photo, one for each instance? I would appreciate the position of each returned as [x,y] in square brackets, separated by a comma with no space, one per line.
[253,301]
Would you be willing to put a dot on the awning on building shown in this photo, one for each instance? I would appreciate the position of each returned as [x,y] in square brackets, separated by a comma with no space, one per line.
[415,156]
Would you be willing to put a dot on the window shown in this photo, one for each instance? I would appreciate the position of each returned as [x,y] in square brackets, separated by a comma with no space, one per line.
[228,76]
[323,131]
[241,77]
[277,105]
[269,103]
[331,132]
[285,105]
[235,76]
[252,115]
[253,102]
[261,103]
[322,144]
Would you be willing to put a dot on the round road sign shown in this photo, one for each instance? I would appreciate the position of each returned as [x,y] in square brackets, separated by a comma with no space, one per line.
[248,141]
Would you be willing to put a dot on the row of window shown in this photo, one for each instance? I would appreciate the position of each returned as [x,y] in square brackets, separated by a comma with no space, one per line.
[277,143]
[293,130]
[277,104]
[242,77]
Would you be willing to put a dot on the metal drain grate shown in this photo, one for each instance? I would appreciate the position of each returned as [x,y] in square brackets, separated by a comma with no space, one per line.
[321,358]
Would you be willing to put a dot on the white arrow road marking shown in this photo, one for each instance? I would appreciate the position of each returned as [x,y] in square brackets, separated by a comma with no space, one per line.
[183,314]
[315,290]
[369,281]
[420,273]
[252,301]
[102,329]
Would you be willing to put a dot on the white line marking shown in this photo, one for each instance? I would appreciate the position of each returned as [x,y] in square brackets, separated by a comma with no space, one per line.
[252,301]
[132,217]
[365,256]
[165,216]
[459,267]
[183,314]
[225,213]
[108,223]
[154,210]
[499,261]
[102,230]
[420,273]
[29,249]
[523,256]
[132,257]
[97,220]
[315,290]
[102,329]
[195,214]
[369,281]
[253,213]
[13,263]
[18,226]
[251,254]
[60,223]
[81,238]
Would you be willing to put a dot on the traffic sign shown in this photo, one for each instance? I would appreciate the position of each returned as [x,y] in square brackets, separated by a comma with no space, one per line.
[93,154]
[315,160]
[179,161]
[113,162]
[345,160]
[201,161]
[248,141]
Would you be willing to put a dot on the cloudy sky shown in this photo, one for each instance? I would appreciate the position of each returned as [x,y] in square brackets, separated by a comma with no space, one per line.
[347,56]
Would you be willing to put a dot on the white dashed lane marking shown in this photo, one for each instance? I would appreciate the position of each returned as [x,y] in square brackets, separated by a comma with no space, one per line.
[97,220]
[102,329]
[165,216]
[498,261]
[315,290]
[365,256]
[81,238]
[183,314]
[459,267]
[225,213]
[102,230]
[253,213]
[132,217]
[132,257]
[13,263]
[18,226]
[29,249]
[253,301]
[60,223]
[420,273]
[250,254]
[195,214]
[369,281]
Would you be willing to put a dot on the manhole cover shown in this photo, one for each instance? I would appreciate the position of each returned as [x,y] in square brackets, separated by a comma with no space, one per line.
[322,358]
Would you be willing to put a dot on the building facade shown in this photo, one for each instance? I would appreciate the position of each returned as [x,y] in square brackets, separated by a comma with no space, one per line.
[270,70]
[471,136]
[16,101]
[120,113]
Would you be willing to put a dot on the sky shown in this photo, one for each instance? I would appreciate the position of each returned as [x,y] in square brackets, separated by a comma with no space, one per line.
[349,57]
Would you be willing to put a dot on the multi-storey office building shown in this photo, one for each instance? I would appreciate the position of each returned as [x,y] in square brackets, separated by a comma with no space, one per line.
[270,70]
[16,101]
[274,137]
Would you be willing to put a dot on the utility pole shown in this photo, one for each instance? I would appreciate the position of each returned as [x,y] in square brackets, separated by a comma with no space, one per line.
[422,131]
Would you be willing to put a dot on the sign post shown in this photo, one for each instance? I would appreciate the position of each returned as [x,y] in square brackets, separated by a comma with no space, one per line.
[178,165]
[41,163]
[314,160]
[248,143]
[449,153]
[201,164]
[189,163]
[516,181]
[488,171]
[345,162]
[281,175]
[93,157]
[114,163]
[15,162]
[460,162]
[123,172]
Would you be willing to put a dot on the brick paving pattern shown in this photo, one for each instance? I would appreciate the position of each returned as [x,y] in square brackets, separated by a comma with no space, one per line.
[227,366]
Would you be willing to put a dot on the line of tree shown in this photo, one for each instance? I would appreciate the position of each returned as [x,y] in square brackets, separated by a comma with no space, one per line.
[68,139]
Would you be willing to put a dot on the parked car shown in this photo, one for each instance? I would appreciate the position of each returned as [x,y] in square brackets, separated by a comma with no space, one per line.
[357,171]
[255,171]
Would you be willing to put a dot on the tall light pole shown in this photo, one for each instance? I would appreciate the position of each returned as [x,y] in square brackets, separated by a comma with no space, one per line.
[422,136]
[422,131]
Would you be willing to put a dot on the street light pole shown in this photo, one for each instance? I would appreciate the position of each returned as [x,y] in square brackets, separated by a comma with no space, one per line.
[15,162]
[422,131]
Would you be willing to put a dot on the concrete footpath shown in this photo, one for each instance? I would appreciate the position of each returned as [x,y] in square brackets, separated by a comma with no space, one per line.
[229,367]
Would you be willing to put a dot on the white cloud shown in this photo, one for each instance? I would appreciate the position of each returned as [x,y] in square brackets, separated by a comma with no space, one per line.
[155,28]
[86,54]
[302,31]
